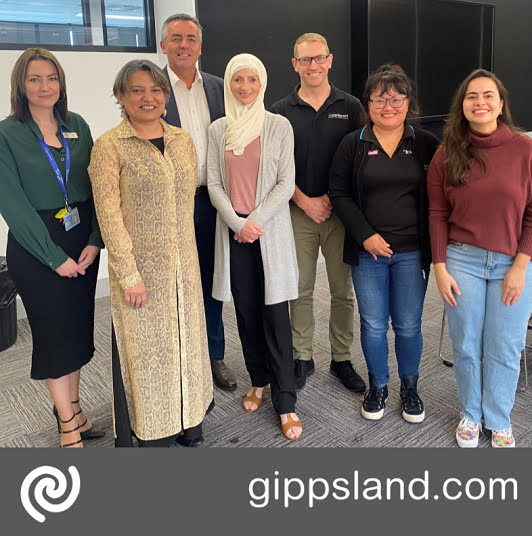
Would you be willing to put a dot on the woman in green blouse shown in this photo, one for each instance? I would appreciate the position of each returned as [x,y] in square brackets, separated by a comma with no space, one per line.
[54,240]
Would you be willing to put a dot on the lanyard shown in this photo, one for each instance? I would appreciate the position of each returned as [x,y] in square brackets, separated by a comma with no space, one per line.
[55,167]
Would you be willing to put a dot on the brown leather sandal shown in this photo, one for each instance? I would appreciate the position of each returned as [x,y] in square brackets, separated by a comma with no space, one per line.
[254,398]
[290,423]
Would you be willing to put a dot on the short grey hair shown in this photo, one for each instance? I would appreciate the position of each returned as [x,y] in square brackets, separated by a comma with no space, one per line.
[184,17]
[121,85]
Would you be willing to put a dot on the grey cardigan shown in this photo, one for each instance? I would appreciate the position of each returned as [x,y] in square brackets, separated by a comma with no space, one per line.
[275,187]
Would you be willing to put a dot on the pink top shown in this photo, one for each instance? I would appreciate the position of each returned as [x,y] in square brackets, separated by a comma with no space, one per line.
[492,211]
[242,173]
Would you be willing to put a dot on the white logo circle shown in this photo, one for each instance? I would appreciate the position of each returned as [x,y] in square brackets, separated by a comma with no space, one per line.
[51,483]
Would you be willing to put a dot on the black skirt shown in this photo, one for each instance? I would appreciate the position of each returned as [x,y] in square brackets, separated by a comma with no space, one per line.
[60,309]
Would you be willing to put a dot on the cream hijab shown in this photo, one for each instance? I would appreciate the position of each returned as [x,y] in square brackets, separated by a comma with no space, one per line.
[244,121]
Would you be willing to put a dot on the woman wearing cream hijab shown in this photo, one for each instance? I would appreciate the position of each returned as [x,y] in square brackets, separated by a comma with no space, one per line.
[251,178]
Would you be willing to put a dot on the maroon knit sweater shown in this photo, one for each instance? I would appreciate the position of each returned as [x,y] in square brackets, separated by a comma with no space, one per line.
[492,211]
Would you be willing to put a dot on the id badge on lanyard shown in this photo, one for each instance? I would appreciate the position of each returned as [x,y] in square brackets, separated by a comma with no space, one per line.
[68,216]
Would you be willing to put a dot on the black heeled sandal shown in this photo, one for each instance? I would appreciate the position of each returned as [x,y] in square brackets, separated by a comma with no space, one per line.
[63,432]
[86,435]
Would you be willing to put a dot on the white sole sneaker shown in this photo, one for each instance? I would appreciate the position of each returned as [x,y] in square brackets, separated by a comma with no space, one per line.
[466,443]
[372,416]
[413,418]
[502,434]
[495,446]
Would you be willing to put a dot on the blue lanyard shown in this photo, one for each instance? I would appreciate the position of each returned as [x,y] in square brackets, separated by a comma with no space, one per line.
[55,167]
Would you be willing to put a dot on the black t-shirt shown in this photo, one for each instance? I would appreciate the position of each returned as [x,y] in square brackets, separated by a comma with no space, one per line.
[391,187]
[317,134]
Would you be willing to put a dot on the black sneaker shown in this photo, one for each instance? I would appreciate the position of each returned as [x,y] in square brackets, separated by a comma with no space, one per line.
[413,410]
[374,401]
[302,369]
[345,372]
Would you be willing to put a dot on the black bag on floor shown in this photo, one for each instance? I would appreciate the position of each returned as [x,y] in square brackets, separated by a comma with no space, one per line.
[8,307]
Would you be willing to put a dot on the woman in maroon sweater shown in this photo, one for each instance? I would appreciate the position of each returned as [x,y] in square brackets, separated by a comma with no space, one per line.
[480,195]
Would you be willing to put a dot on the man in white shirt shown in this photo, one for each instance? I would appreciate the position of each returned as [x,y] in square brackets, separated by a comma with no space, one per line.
[196,100]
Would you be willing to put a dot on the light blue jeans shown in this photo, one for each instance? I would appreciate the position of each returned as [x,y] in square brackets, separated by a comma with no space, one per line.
[487,335]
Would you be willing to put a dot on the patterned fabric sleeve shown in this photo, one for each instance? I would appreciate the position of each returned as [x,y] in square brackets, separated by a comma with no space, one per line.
[104,171]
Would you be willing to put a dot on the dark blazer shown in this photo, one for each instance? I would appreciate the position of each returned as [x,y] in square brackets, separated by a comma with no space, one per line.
[347,195]
[214,91]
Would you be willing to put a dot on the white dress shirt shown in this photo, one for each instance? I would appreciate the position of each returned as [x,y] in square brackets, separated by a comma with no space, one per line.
[195,117]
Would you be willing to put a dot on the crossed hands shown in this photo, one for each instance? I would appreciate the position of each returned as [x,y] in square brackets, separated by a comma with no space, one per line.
[71,268]
[249,232]
[318,209]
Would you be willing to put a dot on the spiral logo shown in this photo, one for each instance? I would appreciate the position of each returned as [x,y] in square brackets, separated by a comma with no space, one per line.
[51,483]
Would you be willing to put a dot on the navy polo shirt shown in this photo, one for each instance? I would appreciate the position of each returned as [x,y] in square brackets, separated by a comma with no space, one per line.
[317,134]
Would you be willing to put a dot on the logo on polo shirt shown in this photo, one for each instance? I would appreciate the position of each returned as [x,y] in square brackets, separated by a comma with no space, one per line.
[338,116]
[373,153]
[407,151]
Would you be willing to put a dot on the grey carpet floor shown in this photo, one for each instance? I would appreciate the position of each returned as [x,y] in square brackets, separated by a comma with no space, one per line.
[330,414]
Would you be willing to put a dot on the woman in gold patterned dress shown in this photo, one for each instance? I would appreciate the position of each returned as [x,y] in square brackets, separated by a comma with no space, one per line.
[143,175]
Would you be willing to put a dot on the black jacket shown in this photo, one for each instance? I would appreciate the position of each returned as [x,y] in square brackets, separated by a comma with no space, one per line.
[347,195]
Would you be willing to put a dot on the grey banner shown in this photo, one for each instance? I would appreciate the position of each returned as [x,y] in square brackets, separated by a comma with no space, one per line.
[264,491]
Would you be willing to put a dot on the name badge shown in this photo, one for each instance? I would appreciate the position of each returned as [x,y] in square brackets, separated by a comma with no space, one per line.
[70,135]
[71,219]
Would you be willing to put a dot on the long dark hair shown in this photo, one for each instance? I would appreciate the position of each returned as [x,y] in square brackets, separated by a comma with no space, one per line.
[19,101]
[387,77]
[459,151]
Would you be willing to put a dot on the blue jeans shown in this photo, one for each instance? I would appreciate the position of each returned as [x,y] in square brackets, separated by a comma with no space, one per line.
[488,336]
[204,226]
[393,287]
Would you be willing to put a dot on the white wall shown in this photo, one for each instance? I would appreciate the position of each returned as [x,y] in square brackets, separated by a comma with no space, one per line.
[90,77]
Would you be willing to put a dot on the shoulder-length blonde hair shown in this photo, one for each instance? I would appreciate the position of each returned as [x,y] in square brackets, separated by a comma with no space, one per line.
[459,151]
[19,101]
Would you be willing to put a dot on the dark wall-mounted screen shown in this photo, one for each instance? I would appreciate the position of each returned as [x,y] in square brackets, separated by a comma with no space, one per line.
[268,29]
[437,42]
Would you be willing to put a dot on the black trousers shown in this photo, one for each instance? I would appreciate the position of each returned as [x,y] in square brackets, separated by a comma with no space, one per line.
[264,330]
[204,227]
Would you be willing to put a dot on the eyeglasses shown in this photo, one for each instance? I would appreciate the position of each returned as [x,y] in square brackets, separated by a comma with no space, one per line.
[395,102]
[307,61]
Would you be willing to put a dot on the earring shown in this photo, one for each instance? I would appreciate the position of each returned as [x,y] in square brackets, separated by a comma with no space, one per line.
[164,113]
[123,113]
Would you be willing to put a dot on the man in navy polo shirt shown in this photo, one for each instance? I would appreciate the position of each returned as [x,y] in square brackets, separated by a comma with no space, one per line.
[321,115]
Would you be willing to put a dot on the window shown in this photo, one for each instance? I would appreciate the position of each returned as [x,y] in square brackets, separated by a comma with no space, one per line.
[114,25]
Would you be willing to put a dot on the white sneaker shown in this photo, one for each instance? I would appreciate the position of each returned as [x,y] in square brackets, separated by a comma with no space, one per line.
[467,434]
[503,438]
